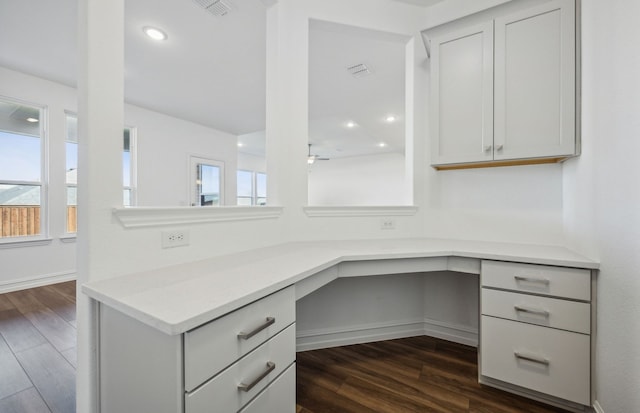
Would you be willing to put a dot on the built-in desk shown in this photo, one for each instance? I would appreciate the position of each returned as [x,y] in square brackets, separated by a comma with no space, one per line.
[179,338]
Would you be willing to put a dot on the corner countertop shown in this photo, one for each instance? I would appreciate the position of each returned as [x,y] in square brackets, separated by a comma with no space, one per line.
[181,297]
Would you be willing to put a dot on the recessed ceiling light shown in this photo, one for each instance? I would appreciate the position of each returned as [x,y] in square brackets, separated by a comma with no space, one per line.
[154,33]
[382,145]
[390,118]
[351,124]
[240,144]
[32,120]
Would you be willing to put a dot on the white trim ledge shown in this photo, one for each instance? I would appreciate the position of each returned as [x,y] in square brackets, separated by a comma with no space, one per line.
[19,243]
[139,217]
[360,211]
[68,238]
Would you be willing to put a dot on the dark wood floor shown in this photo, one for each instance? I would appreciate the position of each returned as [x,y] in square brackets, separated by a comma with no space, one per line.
[38,350]
[419,374]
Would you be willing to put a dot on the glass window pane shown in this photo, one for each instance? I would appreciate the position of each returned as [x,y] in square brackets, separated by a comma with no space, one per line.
[72,163]
[245,184]
[261,185]
[126,197]
[71,149]
[19,210]
[20,157]
[244,201]
[208,185]
[126,169]
[72,209]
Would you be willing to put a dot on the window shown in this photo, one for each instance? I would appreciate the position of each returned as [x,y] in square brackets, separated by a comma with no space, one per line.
[252,188]
[22,184]
[206,182]
[128,169]
[71,172]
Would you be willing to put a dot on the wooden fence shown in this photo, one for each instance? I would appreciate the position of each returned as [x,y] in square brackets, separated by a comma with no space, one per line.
[24,220]
[19,220]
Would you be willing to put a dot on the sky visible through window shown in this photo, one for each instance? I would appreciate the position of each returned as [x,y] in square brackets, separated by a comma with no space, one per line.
[19,157]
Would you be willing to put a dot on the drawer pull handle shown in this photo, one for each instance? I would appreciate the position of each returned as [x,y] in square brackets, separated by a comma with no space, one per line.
[522,309]
[532,358]
[532,280]
[247,387]
[247,336]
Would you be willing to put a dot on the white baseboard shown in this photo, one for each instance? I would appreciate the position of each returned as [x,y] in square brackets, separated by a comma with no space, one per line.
[38,281]
[597,408]
[451,332]
[325,338]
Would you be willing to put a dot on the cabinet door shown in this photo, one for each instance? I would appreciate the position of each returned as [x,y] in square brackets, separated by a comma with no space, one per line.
[535,82]
[462,96]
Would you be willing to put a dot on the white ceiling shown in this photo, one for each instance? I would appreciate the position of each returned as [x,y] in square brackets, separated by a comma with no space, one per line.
[211,70]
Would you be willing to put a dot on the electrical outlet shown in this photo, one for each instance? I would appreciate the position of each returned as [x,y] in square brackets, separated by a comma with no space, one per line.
[172,239]
[387,223]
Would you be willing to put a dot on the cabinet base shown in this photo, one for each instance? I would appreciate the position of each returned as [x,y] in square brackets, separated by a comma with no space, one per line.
[541,397]
[491,164]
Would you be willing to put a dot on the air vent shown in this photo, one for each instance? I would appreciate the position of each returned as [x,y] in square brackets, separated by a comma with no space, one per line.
[216,7]
[359,70]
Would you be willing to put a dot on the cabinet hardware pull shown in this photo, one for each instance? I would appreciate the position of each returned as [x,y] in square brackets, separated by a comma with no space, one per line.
[532,280]
[247,336]
[499,147]
[532,358]
[247,387]
[522,309]
[487,148]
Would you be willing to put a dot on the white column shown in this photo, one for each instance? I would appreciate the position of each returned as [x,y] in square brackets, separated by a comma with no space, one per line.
[287,110]
[100,126]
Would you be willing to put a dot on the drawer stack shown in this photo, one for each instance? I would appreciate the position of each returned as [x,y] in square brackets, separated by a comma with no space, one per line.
[247,354]
[535,328]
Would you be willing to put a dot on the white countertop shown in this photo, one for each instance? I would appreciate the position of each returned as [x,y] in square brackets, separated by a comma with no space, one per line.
[179,298]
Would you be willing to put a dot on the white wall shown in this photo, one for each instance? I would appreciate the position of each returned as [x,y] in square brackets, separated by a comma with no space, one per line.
[602,194]
[250,162]
[507,204]
[165,145]
[358,180]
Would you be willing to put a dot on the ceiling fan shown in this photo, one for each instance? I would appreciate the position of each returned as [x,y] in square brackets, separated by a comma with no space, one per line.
[312,158]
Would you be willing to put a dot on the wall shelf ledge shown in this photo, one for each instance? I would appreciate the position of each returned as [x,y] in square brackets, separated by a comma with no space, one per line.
[138,217]
[360,211]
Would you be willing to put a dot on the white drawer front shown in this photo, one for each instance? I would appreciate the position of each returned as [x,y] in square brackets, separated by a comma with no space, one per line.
[550,312]
[222,393]
[509,350]
[541,279]
[214,346]
[279,397]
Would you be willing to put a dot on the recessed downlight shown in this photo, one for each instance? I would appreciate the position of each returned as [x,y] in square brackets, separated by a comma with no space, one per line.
[382,145]
[390,118]
[240,144]
[32,120]
[155,33]
[351,124]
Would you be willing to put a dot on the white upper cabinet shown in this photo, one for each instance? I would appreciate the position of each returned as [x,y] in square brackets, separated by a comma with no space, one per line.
[535,82]
[505,91]
[462,95]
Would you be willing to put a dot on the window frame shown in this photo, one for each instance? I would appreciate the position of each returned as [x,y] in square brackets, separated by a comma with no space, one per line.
[43,183]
